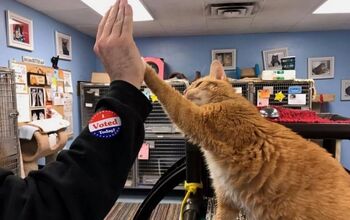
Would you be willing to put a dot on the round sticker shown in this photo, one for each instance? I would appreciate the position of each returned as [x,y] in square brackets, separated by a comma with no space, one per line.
[105,124]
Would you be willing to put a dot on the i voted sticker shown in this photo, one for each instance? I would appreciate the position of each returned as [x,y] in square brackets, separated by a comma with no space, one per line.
[105,124]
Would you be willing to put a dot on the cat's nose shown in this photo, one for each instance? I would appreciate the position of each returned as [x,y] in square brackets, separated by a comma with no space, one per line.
[184,92]
[188,95]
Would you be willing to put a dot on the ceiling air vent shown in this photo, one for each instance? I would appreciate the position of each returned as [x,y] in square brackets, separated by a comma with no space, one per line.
[232,10]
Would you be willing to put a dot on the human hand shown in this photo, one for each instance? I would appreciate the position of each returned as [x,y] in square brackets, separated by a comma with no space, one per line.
[116,47]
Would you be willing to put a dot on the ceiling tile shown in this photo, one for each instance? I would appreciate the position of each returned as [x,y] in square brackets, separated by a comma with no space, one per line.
[184,17]
[323,22]
[53,5]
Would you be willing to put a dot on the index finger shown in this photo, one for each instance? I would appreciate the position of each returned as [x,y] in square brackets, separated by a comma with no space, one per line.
[102,24]
[127,27]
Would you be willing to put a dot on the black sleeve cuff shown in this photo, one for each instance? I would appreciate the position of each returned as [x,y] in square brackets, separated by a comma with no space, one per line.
[129,95]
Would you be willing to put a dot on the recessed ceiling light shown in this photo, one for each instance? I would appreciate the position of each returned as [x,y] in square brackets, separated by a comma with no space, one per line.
[102,6]
[334,7]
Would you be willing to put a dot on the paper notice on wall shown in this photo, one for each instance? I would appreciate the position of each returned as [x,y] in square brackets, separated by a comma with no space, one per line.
[270,88]
[60,85]
[49,77]
[238,90]
[296,99]
[264,94]
[21,88]
[144,152]
[262,98]
[20,73]
[58,98]
[54,83]
[23,107]
[68,111]
[68,87]
[262,102]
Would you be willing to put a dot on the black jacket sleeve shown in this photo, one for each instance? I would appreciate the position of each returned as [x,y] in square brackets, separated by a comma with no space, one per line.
[86,180]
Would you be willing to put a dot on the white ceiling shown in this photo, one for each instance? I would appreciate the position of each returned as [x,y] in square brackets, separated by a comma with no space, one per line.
[188,17]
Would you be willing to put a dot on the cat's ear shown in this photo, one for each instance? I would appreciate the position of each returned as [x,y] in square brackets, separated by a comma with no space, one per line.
[217,70]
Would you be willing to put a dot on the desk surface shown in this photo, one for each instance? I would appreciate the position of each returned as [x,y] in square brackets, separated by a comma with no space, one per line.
[320,131]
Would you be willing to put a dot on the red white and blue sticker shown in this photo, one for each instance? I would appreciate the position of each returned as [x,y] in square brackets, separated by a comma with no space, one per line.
[105,124]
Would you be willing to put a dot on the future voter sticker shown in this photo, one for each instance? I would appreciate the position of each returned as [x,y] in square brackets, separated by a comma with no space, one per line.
[105,124]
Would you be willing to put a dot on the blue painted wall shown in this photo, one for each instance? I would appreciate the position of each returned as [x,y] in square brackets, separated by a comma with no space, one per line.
[83,62]
[188,54]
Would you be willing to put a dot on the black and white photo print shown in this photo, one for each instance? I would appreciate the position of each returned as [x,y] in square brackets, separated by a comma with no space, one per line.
[37,97]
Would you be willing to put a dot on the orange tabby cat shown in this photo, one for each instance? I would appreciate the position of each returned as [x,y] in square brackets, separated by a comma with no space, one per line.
[256,165]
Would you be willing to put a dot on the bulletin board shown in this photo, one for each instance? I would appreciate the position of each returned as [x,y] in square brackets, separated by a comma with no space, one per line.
[43,92]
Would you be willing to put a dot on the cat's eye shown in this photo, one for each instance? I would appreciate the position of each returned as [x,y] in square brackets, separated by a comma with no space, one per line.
[198,84]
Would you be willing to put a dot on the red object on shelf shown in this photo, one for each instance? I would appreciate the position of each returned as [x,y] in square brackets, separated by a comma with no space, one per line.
[157,64]
[303,116]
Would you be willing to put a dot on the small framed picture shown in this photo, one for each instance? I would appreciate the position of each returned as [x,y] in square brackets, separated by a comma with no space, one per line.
[19,31]
[345,89]
[37,114]
[226,56]
[320,67]
[37,97]
[63,46]
[35,79]
[272,58]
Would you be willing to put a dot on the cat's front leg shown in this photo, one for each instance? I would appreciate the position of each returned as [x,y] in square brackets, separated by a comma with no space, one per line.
[225,210]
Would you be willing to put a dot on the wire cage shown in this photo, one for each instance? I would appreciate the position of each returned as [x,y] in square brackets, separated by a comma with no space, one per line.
[164,151]
[283,86]
[166,144]
[90,94]
[9,143]
[242,87]
[158,120]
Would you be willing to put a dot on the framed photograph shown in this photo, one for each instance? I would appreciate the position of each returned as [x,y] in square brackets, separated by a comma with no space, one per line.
[345,89]
[63,46]
[37,97]
[35,79]
[19,31]
[320,67]
[37,114]
[272,58]
[226,56]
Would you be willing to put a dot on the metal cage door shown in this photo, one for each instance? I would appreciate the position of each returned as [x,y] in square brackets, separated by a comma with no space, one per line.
[9,144]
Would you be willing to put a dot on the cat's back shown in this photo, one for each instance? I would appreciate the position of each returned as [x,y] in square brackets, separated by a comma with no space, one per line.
[314,181]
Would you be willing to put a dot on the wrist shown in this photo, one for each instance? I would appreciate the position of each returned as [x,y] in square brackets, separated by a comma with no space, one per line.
[136,83]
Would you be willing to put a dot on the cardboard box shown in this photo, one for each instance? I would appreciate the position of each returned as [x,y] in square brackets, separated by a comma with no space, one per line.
[100,78]
[278,75]
[322,107]
[325,98]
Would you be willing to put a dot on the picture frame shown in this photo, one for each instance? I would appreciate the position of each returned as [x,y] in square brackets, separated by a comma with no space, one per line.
[272,58]
[37,97]
[63,45]
[345,90]
[36,79]
[37,114]
[19,31]
[227,57]
[320,67]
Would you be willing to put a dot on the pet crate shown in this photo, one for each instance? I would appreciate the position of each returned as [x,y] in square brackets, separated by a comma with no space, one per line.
[283,86]
[166,143]
[90,94]
[158,120]
[9,143]
[241,87]
[164,151]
